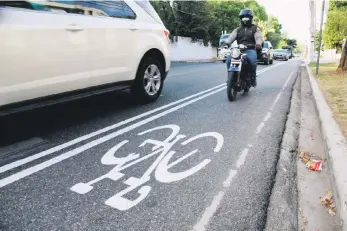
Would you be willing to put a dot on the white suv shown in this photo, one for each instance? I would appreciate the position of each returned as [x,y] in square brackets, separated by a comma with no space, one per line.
[53,51]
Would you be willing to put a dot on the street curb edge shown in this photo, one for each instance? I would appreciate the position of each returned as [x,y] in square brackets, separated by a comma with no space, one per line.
[283,207]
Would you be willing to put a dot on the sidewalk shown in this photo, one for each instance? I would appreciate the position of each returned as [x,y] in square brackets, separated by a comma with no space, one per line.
[329,91]
[312,185]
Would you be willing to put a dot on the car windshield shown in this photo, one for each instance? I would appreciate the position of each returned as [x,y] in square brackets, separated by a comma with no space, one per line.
[224,36]
[266,45]
[281,51]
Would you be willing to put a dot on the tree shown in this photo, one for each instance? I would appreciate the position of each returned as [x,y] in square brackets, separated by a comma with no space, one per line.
[166,14]
[275,39]
[335,29]
[292,42]
[204,20]
[275,25]
[265,28]
[316,42]
[343,61]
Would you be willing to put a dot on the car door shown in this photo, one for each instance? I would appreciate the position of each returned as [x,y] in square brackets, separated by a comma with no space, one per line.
[110,48]
[43,51]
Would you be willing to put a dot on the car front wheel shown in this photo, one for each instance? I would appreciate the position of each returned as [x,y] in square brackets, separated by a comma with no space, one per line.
[149,81]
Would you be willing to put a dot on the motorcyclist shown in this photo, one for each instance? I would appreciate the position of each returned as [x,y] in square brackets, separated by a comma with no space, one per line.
[250,35]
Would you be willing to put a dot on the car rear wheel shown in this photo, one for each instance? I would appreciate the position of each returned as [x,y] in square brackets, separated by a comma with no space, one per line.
[267,61]
[149,80]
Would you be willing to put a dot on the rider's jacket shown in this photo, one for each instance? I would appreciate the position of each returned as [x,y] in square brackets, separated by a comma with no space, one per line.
[246,35]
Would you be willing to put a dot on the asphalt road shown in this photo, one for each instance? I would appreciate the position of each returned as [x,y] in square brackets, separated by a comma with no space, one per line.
[95,164]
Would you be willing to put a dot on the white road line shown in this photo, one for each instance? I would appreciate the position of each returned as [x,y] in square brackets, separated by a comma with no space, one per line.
[98,132]
[47,152]
[31,170]
[202,223]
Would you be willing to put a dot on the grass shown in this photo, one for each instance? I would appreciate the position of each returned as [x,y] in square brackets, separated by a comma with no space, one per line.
[334,86]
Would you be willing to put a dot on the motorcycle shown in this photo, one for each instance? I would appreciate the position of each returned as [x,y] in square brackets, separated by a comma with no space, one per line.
[239,73]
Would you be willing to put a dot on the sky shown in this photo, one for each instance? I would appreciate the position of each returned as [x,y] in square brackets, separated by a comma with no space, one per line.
[294,15]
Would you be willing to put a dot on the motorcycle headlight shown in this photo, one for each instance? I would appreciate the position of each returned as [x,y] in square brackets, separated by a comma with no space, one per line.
[235,53]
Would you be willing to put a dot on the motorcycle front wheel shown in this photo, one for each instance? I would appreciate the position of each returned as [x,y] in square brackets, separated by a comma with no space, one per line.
[230,86]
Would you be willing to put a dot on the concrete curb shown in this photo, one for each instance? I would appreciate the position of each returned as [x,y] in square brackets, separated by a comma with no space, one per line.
[336,146]
[282,213]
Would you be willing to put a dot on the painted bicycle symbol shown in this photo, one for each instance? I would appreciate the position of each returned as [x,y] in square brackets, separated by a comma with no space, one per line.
[160,166]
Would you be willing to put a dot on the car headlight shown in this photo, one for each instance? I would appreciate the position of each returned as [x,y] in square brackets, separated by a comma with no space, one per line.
[235,53]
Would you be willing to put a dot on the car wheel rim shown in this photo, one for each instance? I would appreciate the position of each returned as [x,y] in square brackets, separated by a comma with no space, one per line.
[152,80]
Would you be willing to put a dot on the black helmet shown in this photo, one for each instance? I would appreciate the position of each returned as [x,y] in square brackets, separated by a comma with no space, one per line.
[246,12]
[246,16]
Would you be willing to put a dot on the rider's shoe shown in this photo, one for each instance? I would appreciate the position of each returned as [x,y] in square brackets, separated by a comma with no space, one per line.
[254,82]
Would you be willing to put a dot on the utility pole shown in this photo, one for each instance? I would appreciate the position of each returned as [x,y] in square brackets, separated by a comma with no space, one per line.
[312,30]
[320,36]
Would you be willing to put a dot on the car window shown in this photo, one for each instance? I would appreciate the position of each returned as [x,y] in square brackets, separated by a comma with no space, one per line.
[71,7]
[266,45]
[116,9]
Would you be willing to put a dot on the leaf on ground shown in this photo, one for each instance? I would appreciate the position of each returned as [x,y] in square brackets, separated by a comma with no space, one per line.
[305,157]
[328,202]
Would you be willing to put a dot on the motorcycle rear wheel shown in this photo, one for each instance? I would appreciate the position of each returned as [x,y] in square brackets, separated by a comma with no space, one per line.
[231,92]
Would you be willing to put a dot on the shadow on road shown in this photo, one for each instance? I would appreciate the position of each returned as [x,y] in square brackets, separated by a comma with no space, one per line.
[37,122]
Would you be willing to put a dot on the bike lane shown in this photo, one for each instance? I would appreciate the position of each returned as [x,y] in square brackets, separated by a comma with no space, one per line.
[172,197]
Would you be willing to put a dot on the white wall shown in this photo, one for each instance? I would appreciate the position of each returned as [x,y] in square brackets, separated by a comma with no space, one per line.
[185,50]
[330,56]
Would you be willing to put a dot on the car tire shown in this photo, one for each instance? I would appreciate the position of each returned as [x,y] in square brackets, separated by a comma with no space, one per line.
[272,61]
[224,61]
[154,70]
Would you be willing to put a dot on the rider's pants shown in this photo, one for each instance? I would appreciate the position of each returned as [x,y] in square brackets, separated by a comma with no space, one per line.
[252,59]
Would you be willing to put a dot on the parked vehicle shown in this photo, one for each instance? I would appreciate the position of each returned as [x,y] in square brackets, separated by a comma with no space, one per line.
[239,73]
[222,38]
[266,53]
[54,51]
[289,50]
[281,54]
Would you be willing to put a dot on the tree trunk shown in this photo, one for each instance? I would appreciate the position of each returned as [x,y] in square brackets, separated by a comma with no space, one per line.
[343,61]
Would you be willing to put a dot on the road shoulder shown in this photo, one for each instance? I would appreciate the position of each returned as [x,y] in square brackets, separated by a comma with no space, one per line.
[282,210]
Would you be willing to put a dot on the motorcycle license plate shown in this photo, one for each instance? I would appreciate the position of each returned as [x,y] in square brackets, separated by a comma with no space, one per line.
[235,69]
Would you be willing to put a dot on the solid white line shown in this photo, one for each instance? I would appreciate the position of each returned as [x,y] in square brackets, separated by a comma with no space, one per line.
[202,223]
[47,152]
[90,135]
[31,170]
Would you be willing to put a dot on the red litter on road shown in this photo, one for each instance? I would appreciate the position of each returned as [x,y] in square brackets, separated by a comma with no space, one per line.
[314,165]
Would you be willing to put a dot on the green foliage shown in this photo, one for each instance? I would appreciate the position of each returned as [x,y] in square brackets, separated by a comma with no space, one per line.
[274,38]
[335,29]
[292,42]
[337,4]
[316,42]
[205,20]
[275,25]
